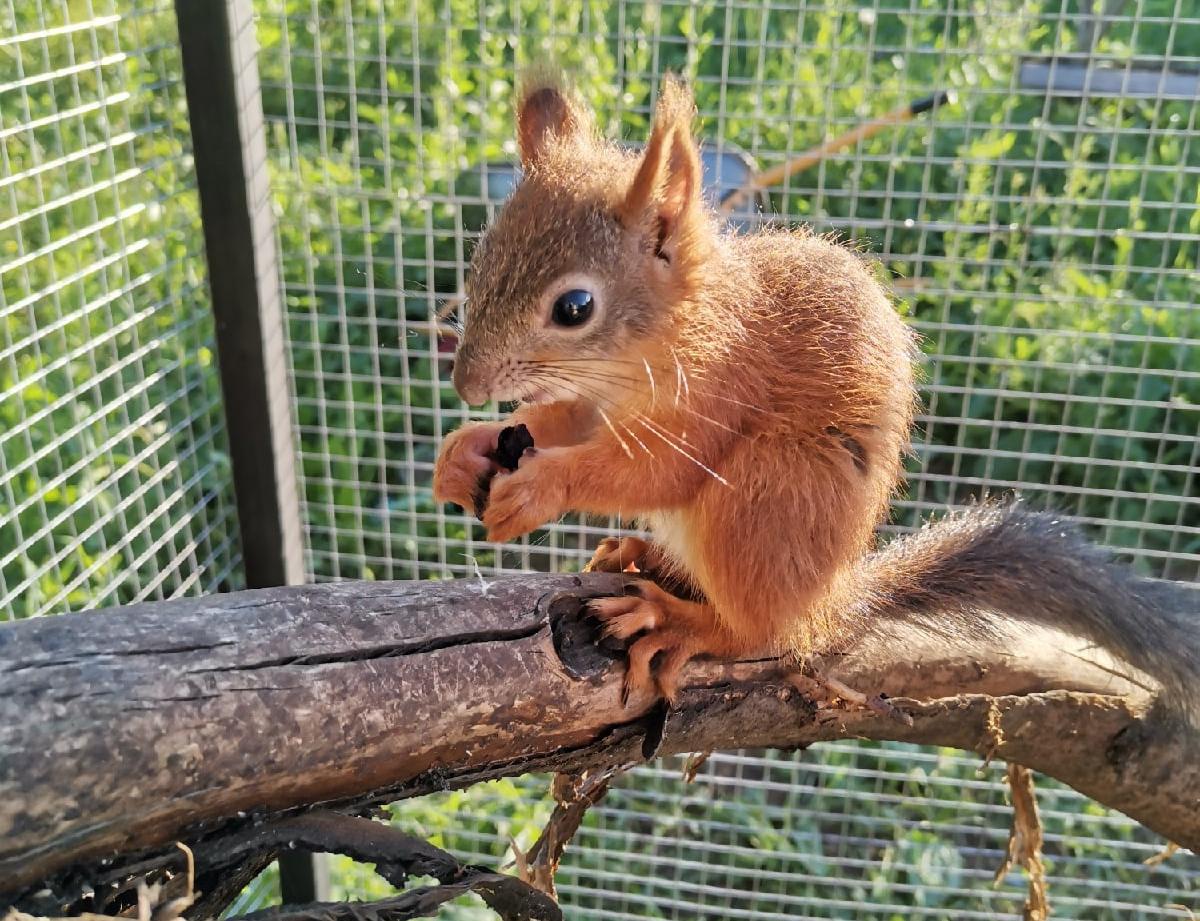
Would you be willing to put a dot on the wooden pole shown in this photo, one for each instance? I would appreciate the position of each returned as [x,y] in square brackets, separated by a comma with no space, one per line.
[229,146]
[815,155]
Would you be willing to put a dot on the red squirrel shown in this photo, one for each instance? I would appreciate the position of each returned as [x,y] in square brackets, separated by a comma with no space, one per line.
[749,399]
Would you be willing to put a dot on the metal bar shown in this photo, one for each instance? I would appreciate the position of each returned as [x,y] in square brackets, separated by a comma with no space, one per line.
[221,78]
[220,51]
[1074,78]
[303,878]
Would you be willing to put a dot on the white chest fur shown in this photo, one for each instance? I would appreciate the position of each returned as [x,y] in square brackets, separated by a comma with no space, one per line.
[673,533]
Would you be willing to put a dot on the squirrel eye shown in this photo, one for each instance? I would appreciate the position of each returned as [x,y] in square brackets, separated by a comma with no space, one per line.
[573,308]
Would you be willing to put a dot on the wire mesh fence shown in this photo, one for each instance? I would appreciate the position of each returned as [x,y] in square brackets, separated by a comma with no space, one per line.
[1041,229]
[1042,237]
[113,478]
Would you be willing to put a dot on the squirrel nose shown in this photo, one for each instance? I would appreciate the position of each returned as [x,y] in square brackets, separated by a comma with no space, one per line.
[469,383]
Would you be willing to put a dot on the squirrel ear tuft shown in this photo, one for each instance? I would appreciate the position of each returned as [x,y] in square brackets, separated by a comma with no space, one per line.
[669,176]
[547,114]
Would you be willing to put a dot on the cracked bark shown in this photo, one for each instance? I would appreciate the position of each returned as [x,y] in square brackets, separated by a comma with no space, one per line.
[122,732]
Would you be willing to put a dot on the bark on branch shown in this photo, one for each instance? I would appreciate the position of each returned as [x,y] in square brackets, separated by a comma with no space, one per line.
[122,732]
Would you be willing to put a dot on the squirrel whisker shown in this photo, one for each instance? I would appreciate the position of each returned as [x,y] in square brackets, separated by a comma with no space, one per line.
[597,375]
[625,447]
[681,381]
[671,444]
[660,429]
[591,372]
[685,405]
[640,362]
[578,388]
[649,453]
[717,422]
[590,394]
[565,360]
[591,382]
[584,391]
[728,399]
[653,388]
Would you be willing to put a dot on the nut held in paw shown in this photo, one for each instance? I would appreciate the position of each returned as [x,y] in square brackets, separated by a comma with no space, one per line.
[512,442]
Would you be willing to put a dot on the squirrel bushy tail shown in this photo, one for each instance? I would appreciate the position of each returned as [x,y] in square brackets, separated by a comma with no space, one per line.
[1036,567]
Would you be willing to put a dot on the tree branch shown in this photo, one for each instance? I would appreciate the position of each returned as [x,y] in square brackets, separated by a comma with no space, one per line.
[396,857]
[124,731]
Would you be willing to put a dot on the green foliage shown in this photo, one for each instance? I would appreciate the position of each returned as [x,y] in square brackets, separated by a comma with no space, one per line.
[114,481]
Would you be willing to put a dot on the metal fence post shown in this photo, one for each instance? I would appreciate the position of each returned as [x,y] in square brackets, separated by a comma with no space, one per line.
[219,47]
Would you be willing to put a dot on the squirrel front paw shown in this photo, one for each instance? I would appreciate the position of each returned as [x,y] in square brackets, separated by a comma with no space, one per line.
[525,499]
[464,461]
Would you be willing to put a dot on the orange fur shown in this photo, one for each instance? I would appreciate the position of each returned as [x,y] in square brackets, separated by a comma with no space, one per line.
[748,397]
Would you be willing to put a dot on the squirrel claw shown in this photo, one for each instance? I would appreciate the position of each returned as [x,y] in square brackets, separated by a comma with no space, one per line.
[639,614]
[464,463]
[623,617]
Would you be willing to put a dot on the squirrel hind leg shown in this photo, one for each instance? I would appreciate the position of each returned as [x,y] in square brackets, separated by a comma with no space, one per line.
[669,631]
[648,559]
[618,554]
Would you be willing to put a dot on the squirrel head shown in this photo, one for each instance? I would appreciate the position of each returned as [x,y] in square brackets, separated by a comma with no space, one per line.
[590,266]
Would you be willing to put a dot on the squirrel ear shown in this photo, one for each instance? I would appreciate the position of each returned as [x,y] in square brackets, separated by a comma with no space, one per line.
[667,182]
[546,115]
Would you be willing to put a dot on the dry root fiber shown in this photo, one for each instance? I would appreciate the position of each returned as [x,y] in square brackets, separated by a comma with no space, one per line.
[1025,843]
